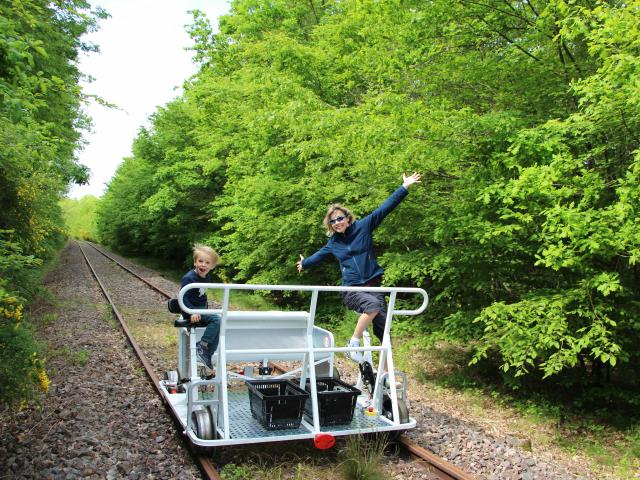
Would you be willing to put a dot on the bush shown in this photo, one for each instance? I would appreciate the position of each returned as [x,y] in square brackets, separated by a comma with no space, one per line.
[22,371]
[20,368]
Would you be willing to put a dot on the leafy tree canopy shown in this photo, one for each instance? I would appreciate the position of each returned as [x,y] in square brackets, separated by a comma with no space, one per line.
[522,116]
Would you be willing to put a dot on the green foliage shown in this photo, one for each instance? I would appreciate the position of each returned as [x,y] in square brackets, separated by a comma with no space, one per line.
[40,129]
[580,200]
[550,332]
[15,267]
[19,363]
[80,217]
[40,114]
[522,116]
[157,199]
[231,471]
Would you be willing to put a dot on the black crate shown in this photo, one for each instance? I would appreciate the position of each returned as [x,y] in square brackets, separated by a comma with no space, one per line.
[336,401]
[276,404]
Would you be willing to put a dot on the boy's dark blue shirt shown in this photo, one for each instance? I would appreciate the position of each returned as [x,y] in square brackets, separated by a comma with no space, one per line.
[354,247]
[196,297]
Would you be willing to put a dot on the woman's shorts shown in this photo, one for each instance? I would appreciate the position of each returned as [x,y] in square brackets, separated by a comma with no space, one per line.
[368,302]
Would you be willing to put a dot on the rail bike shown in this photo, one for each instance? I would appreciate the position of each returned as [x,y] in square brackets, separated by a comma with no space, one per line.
[276,379]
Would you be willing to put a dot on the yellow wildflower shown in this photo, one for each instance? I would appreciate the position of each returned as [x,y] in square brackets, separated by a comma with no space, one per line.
[45,383]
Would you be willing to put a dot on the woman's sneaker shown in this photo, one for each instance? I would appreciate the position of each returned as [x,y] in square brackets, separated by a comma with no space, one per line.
[203,354]
[355,356]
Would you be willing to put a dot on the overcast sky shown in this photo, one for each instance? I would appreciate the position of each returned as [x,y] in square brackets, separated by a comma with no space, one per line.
[141,65]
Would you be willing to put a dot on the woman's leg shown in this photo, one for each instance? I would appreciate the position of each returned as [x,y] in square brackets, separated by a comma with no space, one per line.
[368,306]
[363,323]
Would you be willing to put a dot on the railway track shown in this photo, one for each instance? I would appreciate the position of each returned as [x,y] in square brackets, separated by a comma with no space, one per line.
[438,467]
[205,463]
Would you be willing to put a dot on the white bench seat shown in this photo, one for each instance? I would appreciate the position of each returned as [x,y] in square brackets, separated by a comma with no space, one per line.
[253,331]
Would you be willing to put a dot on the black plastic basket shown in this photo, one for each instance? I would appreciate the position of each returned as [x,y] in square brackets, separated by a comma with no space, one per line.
[336,401]
[276,404]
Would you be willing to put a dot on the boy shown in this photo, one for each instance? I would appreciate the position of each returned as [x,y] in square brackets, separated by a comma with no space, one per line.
[204,260]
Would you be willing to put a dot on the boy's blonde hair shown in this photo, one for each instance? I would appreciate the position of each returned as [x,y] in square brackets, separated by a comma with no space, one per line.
[204,249]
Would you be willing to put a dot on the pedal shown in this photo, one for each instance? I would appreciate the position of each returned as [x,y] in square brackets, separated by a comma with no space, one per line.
[387,384]
[368,375]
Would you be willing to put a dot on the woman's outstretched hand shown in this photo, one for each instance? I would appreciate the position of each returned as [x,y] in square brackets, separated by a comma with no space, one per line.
[299,263]
[411,179]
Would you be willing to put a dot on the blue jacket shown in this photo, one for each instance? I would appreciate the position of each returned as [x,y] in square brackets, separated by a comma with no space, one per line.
[354,247]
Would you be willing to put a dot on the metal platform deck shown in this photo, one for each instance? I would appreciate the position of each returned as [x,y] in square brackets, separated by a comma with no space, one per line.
[243,425]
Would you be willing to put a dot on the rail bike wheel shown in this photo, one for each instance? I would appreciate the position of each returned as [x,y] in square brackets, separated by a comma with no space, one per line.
[204,423]
[387,409]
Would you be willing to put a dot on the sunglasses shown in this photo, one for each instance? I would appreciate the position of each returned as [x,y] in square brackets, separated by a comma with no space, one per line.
[333,221]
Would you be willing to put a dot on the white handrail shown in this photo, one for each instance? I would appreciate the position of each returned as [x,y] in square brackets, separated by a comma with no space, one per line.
[302,288]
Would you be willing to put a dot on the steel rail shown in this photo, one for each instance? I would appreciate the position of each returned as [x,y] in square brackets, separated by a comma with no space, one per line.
[124,267]
[205,463]
[449,470]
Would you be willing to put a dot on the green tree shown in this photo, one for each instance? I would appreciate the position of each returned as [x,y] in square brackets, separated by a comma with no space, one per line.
[80,217]
[522,116]
[579,202]
[40,123]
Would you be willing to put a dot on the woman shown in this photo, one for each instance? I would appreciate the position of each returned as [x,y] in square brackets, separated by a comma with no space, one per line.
[351,242]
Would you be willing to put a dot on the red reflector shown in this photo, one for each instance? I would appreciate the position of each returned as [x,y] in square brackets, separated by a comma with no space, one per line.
[324,441]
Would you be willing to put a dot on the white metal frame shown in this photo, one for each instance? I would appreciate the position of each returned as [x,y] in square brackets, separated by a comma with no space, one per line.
[184,409]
